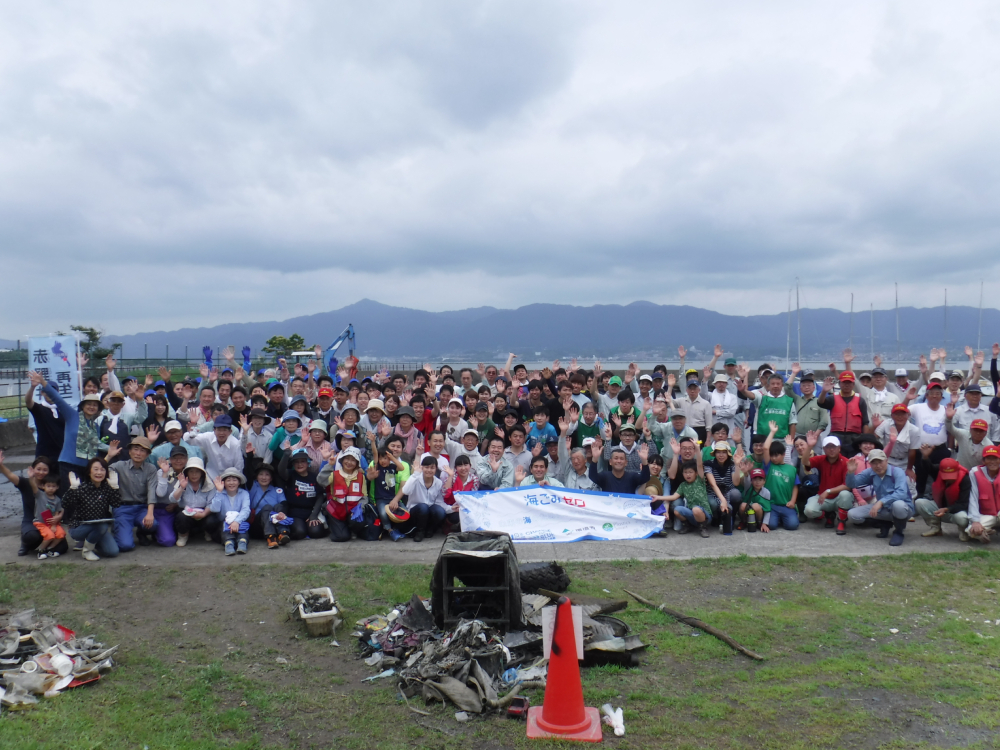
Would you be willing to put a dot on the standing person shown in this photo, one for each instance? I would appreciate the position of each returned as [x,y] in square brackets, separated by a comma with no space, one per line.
[879,398]
[48,517]
[950,503]
[697,409]
[81,436]
[725,404]
[848,411]
[222,450]
[929,418]
[89,505]
[972,408]
[893,506]
[984,495]
[970,441]
[49,426]
[772,405]
[901,439]
[782,482]
[810,417]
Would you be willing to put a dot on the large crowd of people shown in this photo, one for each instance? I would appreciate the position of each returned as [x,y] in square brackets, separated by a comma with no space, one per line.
[285,454]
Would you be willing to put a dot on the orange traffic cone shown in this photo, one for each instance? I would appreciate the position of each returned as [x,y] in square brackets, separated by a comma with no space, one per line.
[562,715]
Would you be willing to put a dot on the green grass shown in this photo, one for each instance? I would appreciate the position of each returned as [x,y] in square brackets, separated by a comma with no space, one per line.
[199,670]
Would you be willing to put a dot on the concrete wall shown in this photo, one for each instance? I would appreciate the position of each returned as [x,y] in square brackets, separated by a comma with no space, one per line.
[15,433]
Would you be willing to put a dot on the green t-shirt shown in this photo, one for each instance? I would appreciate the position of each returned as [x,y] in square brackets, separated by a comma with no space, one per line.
[773,409]
[781,480]
[750,497]
[696,494]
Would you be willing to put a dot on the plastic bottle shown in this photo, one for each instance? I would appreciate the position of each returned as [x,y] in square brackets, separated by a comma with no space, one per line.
[751,519]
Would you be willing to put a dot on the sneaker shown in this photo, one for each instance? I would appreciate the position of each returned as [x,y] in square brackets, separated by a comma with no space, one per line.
[884,532]
[395,535]
[683,529]
[22,551]
[182,539]
[829,521]
[142,540]
[78,547]
[230,549]
[272,541]
[418,536]
[933,531]
[52,553]
[241,548]
[208,537]
[283,538]
[43,556]
[703,530]
[963,536]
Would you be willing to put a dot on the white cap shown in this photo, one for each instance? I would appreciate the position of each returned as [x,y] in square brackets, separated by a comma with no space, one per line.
[720,378]
[831,440]
[587,441]
[173,424]
[472,432]
[646,377]
[901,372]
[937,376]
[458,401]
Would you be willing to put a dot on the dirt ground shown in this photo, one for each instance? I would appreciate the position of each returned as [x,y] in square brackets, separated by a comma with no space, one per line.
[211,658]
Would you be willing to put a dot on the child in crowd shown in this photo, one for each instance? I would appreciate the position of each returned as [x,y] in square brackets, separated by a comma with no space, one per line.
[757,497]
[48,516]
[540,430]
[232,503]
[693,490]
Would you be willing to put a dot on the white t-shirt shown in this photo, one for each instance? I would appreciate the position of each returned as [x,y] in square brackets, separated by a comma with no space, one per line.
[417,492]
[907,440]
[930,424]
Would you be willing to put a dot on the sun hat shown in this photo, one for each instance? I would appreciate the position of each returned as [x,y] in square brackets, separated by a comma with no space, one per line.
[318,424]
[232,471]
[376,403]
[194,462]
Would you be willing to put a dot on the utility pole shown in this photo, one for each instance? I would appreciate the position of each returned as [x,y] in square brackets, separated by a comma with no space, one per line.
[798,316]
[850,340]
[897,322]
[873,330]
[979,336]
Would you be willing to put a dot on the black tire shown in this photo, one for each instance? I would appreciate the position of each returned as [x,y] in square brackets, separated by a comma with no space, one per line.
[543,575]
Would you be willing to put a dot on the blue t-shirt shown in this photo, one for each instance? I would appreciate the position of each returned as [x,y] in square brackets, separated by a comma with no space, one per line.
[536,435]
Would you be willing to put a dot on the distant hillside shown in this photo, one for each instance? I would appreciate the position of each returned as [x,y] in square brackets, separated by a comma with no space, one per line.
[601,330]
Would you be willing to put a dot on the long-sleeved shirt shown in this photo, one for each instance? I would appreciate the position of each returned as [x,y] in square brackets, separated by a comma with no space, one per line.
[725,407]
[965,415]
[223,503]
[218,458]
[136,483]
[260,442]
[633,461]
[698,411]
[261,498]
[879,402]
[81,438]
[500,479]
[888,489]
[969,454]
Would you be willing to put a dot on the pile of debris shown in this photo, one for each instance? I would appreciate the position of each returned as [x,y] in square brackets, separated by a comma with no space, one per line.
[476,666]
[40,657]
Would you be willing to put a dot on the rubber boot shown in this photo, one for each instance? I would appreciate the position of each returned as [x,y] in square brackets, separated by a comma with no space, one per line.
[829,519]
[841,521]
[884,527]
[897,536]
[88,552]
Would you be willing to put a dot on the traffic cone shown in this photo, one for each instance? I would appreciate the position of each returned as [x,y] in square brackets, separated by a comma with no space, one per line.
[562,715]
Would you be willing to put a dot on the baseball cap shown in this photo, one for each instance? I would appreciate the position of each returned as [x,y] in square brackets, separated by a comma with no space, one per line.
[678,413]
[901,372]
[615,380]
[879,371]
[846,375]
[757,474]
[648,378]
[454,401]
[730,361]
[937,376]
[974,388]
[956,374]
[935,384]
[627,426]
[831,440]
[979,424]
[865,375]
[991,450]
[900,408]
[808,375]
[472,432]
[223,420]
[657,375]
[117,394]
[587,441]
[326,392]
[876,455]
[481,406]
[178,450]
[694,382]
[173,424]
[948,466]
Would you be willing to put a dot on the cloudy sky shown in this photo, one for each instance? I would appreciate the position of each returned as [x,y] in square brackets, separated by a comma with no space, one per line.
[192,164]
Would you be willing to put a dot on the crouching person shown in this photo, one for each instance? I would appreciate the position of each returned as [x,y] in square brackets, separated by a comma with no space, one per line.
[697,512]
[384,474]
[194,494]
[424,494]
[266,520]
[951,492]
[89,505]
[758,499]
[892,506]
[348,510]
[165,510]
[232,503]
[984,498]
[304,494]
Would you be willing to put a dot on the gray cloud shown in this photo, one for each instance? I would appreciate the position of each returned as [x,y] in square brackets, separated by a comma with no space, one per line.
[444,156]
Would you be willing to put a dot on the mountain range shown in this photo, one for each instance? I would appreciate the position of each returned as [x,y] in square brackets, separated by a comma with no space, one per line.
[639,329]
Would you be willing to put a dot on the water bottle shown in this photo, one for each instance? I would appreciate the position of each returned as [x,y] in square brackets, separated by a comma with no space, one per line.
[751,519]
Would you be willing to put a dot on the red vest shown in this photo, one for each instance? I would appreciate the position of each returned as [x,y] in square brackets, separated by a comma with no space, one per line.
[846,416]
[989,492]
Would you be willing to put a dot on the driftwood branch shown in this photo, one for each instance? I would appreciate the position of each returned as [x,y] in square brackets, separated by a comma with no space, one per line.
[694,622]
